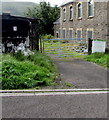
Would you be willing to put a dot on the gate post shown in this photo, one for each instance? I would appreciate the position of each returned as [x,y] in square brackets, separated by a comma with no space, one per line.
[89,46]
[40,40]
[43,47]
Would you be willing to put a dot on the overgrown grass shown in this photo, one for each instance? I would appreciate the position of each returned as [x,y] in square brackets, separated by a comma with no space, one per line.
[99,58]
[20,72]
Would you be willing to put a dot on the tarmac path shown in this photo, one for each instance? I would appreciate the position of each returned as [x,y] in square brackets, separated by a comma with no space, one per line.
[81,74]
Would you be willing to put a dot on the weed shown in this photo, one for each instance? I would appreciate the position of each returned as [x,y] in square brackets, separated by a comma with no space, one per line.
[68,84]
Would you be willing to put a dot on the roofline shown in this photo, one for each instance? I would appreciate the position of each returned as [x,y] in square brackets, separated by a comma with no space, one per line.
[17,16]
[66,3]
[55,23]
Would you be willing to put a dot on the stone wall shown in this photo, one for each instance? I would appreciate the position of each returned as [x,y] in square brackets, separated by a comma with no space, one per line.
[108,25]
[57,30]
[99,23]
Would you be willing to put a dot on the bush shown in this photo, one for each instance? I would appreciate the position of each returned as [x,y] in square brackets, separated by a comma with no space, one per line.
[35,70]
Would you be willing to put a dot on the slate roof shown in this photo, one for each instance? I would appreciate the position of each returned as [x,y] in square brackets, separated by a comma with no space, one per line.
[66,2]
[57,21]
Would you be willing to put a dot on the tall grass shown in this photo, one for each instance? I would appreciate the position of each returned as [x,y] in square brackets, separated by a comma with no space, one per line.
[99,58]
[27,72]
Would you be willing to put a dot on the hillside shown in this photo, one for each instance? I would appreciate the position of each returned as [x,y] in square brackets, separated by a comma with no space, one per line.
[17,8]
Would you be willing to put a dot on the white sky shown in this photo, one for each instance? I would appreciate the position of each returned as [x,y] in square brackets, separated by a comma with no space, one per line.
[52,2]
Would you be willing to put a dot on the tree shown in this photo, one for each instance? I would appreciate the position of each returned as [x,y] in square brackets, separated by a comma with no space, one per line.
[46,14]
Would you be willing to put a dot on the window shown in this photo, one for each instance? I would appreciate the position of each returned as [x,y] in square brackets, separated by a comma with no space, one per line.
[70,33]
[90,8]
[79,10]
[64,34]
[64,14]
[71,13]
[57,34]
[79,33]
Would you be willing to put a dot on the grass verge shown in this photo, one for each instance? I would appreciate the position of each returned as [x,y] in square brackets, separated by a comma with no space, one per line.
[101,59]
[24,72]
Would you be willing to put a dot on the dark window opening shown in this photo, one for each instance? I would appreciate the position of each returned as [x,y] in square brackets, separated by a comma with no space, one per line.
[71,13]
[79,10]
[90,8]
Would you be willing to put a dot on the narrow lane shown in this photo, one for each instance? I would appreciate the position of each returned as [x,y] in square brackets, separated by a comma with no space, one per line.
[82,74]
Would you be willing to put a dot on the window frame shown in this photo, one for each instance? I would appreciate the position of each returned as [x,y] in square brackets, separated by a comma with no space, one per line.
[90,16]
[79,17]
[64,36]
[78,29]
[71,12]
[57,32]
[89,29]
[64,14]
[71,29]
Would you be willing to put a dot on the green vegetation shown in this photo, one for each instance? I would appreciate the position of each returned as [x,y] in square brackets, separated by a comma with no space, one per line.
[99,58]
[23,72]
[68,84]
[46,36]
[46,14]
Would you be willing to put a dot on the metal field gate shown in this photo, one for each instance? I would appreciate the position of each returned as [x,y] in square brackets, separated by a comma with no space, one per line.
[65,47]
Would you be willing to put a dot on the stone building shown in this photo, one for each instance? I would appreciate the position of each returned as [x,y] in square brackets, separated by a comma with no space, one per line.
[85,20]
[57,28]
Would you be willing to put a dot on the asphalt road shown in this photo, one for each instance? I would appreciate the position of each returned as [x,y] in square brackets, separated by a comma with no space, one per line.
[81,74]
[55,106]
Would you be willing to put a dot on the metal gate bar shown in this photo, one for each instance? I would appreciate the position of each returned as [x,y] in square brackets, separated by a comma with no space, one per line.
[65,47]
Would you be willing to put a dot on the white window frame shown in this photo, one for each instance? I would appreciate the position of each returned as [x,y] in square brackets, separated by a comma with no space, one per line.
[71,18]
[64,14]
[90,16]
[80,3]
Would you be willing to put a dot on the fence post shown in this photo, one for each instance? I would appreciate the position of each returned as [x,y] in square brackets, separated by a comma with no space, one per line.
[89,46]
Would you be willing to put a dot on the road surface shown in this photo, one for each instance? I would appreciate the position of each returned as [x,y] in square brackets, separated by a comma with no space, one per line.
[55,105]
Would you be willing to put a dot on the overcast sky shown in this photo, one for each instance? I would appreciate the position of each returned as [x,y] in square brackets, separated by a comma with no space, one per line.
[52,2]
